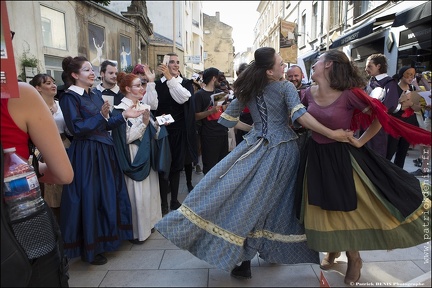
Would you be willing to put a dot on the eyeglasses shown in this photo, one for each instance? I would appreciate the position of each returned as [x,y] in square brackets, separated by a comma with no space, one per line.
[173,61]
[138,85]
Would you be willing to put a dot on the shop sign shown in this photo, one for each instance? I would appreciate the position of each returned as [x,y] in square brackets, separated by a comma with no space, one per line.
[419,33]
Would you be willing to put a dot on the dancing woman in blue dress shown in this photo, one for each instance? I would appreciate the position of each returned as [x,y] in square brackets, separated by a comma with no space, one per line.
[245,204]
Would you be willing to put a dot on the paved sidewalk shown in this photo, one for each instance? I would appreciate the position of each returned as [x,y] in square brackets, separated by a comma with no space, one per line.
[158,263]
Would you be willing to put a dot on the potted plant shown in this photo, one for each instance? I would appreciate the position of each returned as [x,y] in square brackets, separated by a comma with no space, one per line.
[29,64]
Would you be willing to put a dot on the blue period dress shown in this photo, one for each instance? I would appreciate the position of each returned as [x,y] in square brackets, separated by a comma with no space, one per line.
[245,204]
[95,211]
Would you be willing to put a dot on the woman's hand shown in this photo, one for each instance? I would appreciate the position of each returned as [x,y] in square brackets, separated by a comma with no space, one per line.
[341,135]
[146,117]
[105,109]
[131,112]
[149,74]
[355,142]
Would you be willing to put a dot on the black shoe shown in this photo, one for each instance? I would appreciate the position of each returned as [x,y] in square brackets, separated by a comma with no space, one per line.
[243,271]
[165,209]
[419,173]
[190,187]
[136,242]
[99,260]
[174,205]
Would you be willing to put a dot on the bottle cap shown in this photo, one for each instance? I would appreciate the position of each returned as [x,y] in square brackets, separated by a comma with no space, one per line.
[7,150]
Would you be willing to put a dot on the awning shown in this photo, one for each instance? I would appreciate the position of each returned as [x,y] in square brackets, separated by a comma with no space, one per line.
[360,32]
[413,16]
[364,29]
[311,57]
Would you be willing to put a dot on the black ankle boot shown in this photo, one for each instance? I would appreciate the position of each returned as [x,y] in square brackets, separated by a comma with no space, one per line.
[243,271]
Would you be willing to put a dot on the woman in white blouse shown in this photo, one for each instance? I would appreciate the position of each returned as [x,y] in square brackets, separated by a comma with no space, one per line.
[134,142]
[46,86]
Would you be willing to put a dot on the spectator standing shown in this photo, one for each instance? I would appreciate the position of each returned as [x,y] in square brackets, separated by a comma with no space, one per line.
[176,97]
[235,210]
[19,124]
[150,96]
[198,84]
[376,68]
[214,136]
[133,143]
[96,211]
[352,199]
[398,147]
[422,83]
[108,88]
[47,88]
[295,75]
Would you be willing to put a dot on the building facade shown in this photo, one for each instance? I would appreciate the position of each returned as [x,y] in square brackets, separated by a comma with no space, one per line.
[184,20]
[398,29]
[218,45]
[76,28]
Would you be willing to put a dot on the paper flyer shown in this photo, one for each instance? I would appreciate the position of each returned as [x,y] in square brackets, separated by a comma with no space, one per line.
[165,119]
[218,98]
[426,96]
[9,81]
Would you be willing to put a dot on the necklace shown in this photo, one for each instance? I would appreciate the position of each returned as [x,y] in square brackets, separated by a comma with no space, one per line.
[53,108]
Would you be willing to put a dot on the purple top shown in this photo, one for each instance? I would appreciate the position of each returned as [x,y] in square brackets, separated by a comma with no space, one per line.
[337,115]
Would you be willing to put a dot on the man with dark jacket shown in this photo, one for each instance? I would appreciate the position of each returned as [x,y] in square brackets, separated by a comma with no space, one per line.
[176,97]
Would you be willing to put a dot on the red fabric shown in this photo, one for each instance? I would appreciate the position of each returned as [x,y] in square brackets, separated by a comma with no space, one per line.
[393,126]
[10,134]
[214,116]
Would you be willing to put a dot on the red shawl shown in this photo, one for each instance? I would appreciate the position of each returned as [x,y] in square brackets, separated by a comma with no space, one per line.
[392,125]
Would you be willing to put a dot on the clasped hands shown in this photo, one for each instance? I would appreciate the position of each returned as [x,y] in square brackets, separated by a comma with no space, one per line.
[131,112]
[346,136]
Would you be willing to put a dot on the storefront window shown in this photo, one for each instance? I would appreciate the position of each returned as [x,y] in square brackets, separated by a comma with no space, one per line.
[360,53]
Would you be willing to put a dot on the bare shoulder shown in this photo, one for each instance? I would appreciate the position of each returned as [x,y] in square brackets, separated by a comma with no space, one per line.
[27,106]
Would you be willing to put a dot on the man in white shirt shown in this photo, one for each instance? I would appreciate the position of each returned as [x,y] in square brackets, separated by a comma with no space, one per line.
[176,97]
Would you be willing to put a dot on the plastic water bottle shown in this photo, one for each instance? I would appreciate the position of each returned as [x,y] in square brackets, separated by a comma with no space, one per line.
[22,194]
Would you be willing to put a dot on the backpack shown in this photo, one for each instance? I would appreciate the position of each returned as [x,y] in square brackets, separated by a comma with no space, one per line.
[16,269]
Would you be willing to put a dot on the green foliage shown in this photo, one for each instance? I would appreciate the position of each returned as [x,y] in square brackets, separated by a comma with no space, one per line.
[28,60]
[128,69]
[102,2]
